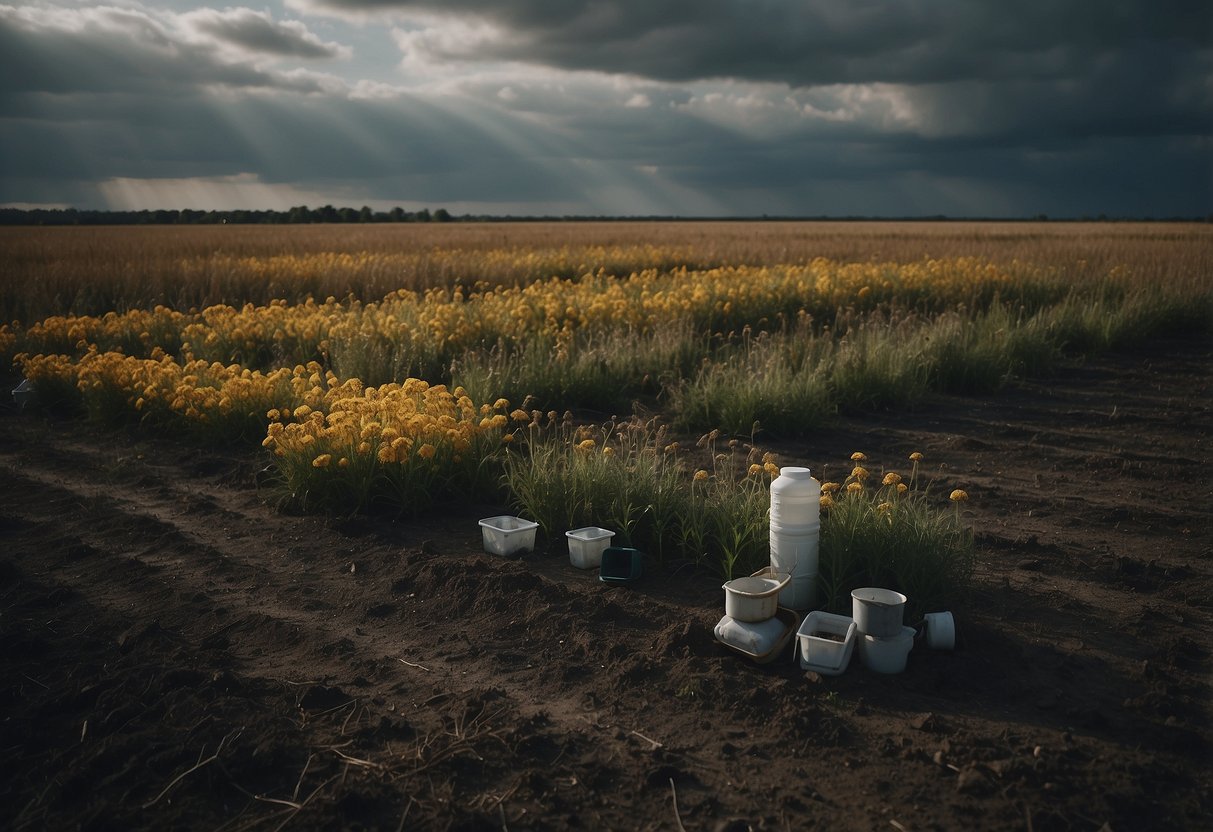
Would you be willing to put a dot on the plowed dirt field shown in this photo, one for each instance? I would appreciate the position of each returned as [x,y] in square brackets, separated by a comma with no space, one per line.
[175,653]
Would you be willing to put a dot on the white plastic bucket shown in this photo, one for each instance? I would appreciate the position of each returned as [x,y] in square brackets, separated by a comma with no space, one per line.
[755,598]
[886,655]
[878,612]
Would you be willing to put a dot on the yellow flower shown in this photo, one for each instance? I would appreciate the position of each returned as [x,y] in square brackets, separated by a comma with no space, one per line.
[507,438]
[344,462]
[671,448]
[883,507]
[860,473]
[500,404]
[916,457]
[827,502]
[830,487]
[891,478]
[958,496]
[426,451]
[586,445]
[854,488]
[858,456]
[771,468]
[273,415]
[520,416]
[902,488]
[701,475]
[322,461]
[608,451]
[755,470]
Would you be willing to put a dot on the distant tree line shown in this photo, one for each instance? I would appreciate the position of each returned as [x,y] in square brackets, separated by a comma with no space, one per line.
[298,215]
[301,215]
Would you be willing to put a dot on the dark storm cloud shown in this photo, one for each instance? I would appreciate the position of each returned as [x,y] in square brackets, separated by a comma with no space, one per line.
[258,32]
[102,50]
[1028,69]
[810,42]
[846,108]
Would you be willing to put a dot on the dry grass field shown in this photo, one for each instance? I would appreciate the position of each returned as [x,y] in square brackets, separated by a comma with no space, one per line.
[49,271]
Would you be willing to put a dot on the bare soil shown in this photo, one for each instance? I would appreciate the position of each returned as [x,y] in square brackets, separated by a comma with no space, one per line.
[177,653]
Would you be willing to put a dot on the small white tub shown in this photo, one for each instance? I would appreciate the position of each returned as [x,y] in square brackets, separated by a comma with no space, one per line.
[507,535]
[587,545]
[887,655]
[754,598]
[825,642]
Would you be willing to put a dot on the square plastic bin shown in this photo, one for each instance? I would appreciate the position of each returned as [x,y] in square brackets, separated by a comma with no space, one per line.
[620,565]
[508,536]
[587,545]
[826,642]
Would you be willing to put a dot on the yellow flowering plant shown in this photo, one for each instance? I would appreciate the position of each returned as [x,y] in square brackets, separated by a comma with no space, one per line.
[894,535]
[406,447]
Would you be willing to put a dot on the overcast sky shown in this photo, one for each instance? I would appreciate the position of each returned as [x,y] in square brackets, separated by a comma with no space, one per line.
[620,107]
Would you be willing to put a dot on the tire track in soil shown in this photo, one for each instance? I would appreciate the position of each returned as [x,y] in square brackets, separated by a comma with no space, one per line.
[246,593]
[237,586]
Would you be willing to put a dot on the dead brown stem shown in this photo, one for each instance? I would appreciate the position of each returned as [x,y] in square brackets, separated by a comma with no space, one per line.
[193,768]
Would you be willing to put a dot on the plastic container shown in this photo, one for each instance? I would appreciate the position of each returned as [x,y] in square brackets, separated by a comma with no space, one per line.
[796,553]
[877,612]
[796,533]
[795,499]
[507,535]
[825,642]
[738,635]
[940,630]
[586,546]
[754,598]
[756,638]
[886,655]
[620,565]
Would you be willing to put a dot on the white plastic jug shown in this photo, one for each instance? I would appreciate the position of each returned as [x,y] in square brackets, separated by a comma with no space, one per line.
[795,499]
[796,534]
